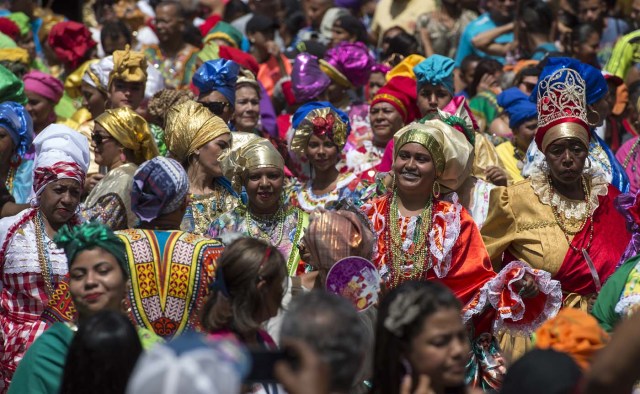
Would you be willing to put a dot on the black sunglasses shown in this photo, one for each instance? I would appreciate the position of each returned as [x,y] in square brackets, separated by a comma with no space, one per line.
[99,138]
[216,107]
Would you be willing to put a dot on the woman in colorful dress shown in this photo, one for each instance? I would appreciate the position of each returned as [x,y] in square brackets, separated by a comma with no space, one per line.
[523,121]
[121,141]
[156,246]
[421,237]
[216,82]
[253,163]
[321,131]
[560,220]
[16,135]
[196,138]
[98,277]
[31,263]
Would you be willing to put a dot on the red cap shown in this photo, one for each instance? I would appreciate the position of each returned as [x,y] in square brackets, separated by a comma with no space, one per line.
[242,58]
[401,92]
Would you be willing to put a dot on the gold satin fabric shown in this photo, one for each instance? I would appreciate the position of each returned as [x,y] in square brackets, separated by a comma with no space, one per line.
[189,126]
[485,156]
[131,131]
[129,66]
[565,130]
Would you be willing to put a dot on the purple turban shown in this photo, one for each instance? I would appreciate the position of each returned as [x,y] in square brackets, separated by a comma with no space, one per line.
[352,60]
[307,80]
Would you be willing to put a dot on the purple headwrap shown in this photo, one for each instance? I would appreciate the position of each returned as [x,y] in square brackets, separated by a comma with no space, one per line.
[628,204]
[160,186]
[380,68]
[352,60]
[307,80]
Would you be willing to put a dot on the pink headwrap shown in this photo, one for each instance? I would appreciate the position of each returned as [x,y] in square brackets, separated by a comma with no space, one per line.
[43,84]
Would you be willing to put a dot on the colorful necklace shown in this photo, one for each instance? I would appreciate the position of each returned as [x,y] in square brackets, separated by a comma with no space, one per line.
[264,232]
[561,222]
[393,238]
[43,255]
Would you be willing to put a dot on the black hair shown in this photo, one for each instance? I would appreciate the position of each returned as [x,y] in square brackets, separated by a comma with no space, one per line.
[261,24]
[531,71]
[294,22]
[403,44]
[391,348]
[467,60]
[102,355]
[536,15]
[233,9]
[485,66]
[353,26]
[115,29]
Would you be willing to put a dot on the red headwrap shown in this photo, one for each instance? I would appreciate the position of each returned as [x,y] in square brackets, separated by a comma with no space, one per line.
[242,58]
[400,92]
[9,27]
[42,176]
[71,41]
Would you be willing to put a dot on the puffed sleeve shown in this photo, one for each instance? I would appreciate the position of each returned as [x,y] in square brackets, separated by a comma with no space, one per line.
[499,229]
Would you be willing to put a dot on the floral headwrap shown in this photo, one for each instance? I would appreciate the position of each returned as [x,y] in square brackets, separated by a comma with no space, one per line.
[130,130]
[88,236]
[319,118]
[248,152]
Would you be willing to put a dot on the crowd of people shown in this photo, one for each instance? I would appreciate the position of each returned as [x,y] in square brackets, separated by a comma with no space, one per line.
[181,178]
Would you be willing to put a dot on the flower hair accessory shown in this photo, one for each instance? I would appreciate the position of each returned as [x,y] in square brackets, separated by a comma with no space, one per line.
[402,312]
[321,119]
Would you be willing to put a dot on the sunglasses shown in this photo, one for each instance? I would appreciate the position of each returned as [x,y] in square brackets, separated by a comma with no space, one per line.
[216,107]
[99,138]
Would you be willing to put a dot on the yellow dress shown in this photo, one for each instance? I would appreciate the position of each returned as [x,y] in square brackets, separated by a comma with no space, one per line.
[485,156]
[507,154]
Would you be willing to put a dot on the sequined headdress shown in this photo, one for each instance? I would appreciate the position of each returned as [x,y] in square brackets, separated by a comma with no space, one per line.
[319,118]
[562,108]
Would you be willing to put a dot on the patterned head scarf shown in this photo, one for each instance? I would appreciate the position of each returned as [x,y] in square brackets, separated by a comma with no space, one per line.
[248,152]
[129,66]
[43,84]
[320,118]
[219,75]
[88,236]
[16,120]
[332,236]
[435,70]
[450,150]
[11,87]
[61,153]
[130,130]
[160,186]
[71,41]
[189,126]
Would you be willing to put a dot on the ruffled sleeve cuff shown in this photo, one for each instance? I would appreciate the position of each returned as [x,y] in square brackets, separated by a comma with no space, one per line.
[512,311]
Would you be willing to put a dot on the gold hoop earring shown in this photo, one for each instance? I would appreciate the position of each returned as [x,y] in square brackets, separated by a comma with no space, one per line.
[436,194]
[593,115]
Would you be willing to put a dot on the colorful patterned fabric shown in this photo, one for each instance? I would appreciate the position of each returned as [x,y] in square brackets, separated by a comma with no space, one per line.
[348,188]
[44,175]
[170,276]
[284,235]
[177,71]
[110,201]
[205,209]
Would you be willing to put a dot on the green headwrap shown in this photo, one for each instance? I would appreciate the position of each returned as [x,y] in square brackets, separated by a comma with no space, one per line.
[11,87]
[22,21]
[88,236]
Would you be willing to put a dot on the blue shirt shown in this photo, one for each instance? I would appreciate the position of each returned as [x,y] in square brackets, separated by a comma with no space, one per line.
[475,27]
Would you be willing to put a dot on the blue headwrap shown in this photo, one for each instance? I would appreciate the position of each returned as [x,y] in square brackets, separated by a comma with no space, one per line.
[595,81]
[219,75]
[304,110]
[517,105]
[16,120]
[435,70]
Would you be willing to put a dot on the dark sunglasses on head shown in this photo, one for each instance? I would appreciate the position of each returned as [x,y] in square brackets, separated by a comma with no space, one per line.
[99,138]
[216,107]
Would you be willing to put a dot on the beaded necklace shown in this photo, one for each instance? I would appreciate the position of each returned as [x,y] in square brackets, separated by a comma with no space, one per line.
[393,239]
[43,256]
[561,222]
[253,221]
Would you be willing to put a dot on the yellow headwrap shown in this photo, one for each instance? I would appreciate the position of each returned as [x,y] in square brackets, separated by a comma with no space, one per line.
[129,66]
[189,126]
[449,148]
[405,67]
[74,81]
[131,131]
[16,55]
[248,152]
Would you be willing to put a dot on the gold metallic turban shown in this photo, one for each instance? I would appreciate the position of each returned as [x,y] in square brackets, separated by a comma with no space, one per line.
[131,131]
[129,66]
[189,126]
[248,152]
[320,121]
[450,150]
